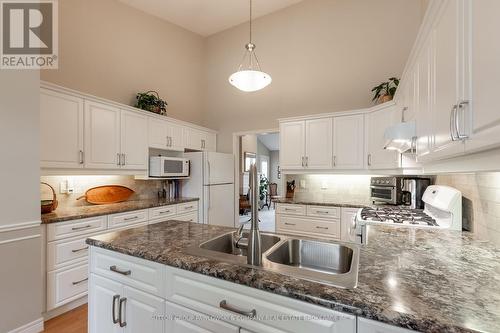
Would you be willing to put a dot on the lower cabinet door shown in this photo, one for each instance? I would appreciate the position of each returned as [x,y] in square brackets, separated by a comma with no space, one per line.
[141,312]
[102,294]
[179,319]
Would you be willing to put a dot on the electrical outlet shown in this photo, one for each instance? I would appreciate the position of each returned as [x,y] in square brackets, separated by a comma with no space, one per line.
[324,185]
[63,187]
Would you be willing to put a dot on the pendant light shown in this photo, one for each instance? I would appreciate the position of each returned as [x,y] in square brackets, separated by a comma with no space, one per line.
[249,76]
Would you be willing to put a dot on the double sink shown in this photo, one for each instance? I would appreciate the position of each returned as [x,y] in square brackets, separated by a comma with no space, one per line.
[320,261]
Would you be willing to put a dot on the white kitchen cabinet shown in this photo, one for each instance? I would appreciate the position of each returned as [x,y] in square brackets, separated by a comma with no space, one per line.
[115,307]
[376,124]
[292,147]
[175,137]
[189,321]
[210,141]
[371,326]
[102,136]
[349,142]
[61,130]
[134,140]
[158,133]
[196,139]
[318,154]
[347,223]
[483,113]
[448,78]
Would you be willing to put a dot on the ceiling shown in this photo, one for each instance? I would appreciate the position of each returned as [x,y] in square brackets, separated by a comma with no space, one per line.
[207,17]
[271,141]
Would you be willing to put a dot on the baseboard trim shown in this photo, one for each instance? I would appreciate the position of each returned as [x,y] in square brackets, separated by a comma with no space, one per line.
[35,326]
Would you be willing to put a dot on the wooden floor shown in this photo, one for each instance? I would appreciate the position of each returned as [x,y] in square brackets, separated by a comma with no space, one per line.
[74,321]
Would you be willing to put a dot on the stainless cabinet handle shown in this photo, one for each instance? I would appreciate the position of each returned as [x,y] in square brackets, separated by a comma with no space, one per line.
[80,250]
[453,114]
[289,209]
[131,218]
[307,161]
[353,226]
[461,106]
[124,159]
[322,212]
[369,159]
[113,309]
[251,314]
[164,212]
[81,281]
[334,161]
[286,223]
[122,302]
[81,156]
[302,161]
[81,228]
[188,207]
[116,270]
[324,228]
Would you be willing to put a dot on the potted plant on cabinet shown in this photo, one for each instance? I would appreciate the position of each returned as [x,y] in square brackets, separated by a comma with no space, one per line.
[385,91]
[151,101]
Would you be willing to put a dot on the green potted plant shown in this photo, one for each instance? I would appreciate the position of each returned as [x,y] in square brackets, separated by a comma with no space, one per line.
[385,91]
[263,186]
[151,101]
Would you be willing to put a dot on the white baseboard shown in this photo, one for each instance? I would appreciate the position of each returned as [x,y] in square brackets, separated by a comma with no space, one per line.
[33,327]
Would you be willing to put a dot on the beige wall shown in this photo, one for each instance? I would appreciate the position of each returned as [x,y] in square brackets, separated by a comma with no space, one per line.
[323,56]
[481,201]
[114,51]
[20,244]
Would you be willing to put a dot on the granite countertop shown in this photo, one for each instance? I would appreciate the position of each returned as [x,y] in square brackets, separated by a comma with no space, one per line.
[421,279]
[81,212]
[294,201]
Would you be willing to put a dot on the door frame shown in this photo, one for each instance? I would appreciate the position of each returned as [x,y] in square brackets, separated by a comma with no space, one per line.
[236,154]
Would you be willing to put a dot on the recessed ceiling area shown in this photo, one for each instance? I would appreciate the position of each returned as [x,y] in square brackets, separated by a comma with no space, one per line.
[207,17]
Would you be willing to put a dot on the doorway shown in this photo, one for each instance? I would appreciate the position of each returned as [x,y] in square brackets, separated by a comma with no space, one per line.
[261,148]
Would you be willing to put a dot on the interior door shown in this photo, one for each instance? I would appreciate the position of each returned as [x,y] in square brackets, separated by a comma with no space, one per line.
[446,76]
[102,136]
[219,208]
[484,112]
[102,294]
[189,321]
[292,144]
[139,311]
[134,129]
[348,142]
[319,144]
[61,130]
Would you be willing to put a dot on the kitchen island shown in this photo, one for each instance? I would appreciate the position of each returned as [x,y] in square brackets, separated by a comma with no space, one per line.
[422,280]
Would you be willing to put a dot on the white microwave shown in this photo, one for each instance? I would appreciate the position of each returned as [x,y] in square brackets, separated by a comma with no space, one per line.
[164,166]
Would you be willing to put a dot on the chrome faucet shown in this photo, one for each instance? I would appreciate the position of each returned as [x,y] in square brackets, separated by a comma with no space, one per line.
[254,251]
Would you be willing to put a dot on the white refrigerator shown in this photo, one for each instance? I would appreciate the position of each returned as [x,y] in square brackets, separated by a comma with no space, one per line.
[212,180]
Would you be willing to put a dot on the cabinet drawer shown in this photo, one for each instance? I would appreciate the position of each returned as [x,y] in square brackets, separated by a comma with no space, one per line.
[162,212]
[66,285]
[67,251]
[291,209]
[75,228]
[321,211]
[187,207]
[216,297]
[129,218]
[190,217]
[309,226]
[138,273]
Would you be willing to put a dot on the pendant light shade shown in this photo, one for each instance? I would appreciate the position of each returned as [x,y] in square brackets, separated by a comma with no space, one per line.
[249,76]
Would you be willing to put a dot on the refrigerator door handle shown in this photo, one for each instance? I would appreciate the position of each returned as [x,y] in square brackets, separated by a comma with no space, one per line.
[208,166]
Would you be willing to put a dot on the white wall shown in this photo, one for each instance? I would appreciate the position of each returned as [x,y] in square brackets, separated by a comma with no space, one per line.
[323,56]
[275,162]
[20,243]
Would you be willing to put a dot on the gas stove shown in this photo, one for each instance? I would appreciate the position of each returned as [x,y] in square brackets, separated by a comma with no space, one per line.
[398,215]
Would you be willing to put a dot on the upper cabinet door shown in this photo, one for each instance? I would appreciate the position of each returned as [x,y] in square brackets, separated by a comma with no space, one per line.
[175,137]
[484,111]
[447,45]
[61,130]
[376,123]
[292,144]
[134,140]
[192,138]
[102,136]
[349,142]
[158,133]
[318,144]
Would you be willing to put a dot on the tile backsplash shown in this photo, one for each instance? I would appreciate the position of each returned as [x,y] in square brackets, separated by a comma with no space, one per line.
[481,201]
[332,188]
[144,189]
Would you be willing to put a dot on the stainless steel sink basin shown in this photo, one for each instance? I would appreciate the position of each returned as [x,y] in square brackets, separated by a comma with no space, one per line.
[314,256]
[226,243]
[321,261]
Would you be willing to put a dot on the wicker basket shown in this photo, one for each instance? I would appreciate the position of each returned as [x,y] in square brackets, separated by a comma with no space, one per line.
[48,206]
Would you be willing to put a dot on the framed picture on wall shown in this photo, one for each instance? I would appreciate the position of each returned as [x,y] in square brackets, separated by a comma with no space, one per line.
[250,158]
